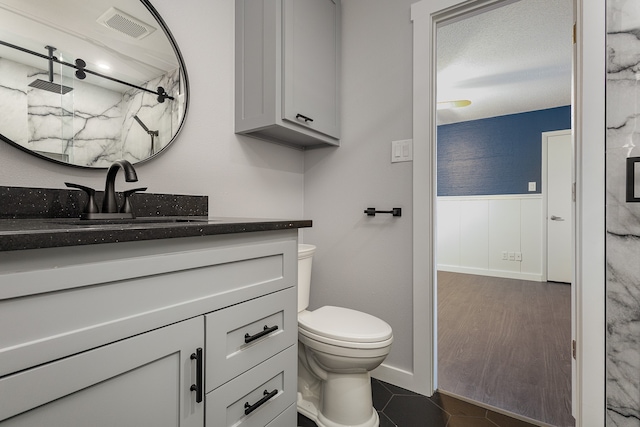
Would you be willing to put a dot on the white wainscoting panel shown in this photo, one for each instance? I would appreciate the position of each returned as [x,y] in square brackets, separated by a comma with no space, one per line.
[531,236]
[474,231]
[504,233]
[449,232]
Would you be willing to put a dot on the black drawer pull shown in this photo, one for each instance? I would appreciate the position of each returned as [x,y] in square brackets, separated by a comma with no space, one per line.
[305,118]
[250,408]
[197,387]
[267,330]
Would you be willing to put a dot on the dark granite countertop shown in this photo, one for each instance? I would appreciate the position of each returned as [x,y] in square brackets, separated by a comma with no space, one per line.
[34,218]
[18,234]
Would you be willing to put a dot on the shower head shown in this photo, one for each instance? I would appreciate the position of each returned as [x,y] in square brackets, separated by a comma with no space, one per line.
[50,86]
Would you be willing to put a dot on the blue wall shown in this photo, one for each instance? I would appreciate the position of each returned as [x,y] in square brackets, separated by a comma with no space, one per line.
[498,155]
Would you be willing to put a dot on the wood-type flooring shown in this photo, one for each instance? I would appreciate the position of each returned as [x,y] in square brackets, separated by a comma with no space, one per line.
[507,344]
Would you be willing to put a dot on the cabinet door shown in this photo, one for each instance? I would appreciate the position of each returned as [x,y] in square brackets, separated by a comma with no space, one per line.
[311,59]
[141,381]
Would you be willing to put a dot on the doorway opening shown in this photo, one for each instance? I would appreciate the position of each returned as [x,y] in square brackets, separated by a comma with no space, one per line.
[504,331]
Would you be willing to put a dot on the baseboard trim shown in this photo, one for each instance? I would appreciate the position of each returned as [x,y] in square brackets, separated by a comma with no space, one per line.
[492,273]
[396,376]
[495,409]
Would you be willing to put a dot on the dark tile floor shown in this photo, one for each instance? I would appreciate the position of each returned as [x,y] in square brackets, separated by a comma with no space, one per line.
[402,408]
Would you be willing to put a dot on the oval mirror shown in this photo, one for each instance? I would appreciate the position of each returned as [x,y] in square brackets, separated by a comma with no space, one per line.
[85,83]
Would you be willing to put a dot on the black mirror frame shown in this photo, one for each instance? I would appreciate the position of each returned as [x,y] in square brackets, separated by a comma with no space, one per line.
[185,78]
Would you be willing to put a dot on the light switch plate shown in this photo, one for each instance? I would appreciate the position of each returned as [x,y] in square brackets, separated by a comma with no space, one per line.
[402,150]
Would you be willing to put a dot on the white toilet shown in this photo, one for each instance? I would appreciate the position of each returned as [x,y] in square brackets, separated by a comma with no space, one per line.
[337,349]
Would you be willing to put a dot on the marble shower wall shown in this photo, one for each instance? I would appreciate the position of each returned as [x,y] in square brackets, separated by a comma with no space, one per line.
[89,126]
[623,219]
[162,117]
[80,126]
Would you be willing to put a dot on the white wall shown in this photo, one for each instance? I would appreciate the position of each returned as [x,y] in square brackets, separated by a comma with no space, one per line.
[365,263]
[473,233]
[242,176]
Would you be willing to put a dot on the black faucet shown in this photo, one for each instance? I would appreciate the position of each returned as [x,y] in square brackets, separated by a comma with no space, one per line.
[109,203]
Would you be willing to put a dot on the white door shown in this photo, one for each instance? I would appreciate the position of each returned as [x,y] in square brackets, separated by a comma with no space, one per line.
[559,198]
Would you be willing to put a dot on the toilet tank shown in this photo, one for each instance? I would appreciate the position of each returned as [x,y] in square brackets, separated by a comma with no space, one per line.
[305,259]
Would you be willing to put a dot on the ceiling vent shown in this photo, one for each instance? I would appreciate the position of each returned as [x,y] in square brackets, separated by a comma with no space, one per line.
[125,24]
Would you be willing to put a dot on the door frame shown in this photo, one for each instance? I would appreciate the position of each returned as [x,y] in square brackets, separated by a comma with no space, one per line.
[588,117]
[545,195]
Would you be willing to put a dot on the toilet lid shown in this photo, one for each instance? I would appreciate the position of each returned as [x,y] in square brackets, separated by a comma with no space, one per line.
[345,325]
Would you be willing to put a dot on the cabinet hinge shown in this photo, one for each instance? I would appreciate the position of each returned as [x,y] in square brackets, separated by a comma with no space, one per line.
[573,191]
[573,348]
[574,33]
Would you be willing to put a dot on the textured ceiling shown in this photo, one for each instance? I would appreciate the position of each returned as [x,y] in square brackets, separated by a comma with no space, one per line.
[511,59]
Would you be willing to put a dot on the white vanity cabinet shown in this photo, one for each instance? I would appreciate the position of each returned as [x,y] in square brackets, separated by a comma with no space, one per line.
[150,333]
[288,71]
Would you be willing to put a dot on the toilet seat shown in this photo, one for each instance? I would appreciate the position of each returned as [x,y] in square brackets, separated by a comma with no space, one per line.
[344,327]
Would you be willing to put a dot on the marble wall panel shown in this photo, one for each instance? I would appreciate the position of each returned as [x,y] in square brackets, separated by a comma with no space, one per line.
[162,117]
[89,126]
[623,219]
[13,102]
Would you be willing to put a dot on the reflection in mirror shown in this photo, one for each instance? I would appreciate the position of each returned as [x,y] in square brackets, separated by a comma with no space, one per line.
[85,83]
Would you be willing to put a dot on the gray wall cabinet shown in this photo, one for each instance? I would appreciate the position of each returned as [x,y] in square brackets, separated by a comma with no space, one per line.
[151,334]
[288,71]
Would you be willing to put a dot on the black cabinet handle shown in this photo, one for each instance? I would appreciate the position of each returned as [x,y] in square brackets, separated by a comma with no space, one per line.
[305,118]
[250,408]
[197,387]
[267,330]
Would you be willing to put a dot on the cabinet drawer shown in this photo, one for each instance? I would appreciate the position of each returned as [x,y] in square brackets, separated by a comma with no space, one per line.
[237,339]
[288,418]
[231,404]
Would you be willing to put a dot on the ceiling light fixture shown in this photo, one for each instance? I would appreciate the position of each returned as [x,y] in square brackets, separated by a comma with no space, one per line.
[446,105]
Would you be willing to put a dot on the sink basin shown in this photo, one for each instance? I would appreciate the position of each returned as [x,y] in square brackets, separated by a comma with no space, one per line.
[142,220]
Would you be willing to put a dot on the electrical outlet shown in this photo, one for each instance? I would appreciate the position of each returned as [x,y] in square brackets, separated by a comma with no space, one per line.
[504,255]
[518,256]
[512,256]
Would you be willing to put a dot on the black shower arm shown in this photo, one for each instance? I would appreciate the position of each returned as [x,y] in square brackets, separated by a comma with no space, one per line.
[141,123]
[162,95]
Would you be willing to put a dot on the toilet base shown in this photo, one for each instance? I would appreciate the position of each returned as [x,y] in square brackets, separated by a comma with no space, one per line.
[338,398]
[309,409]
